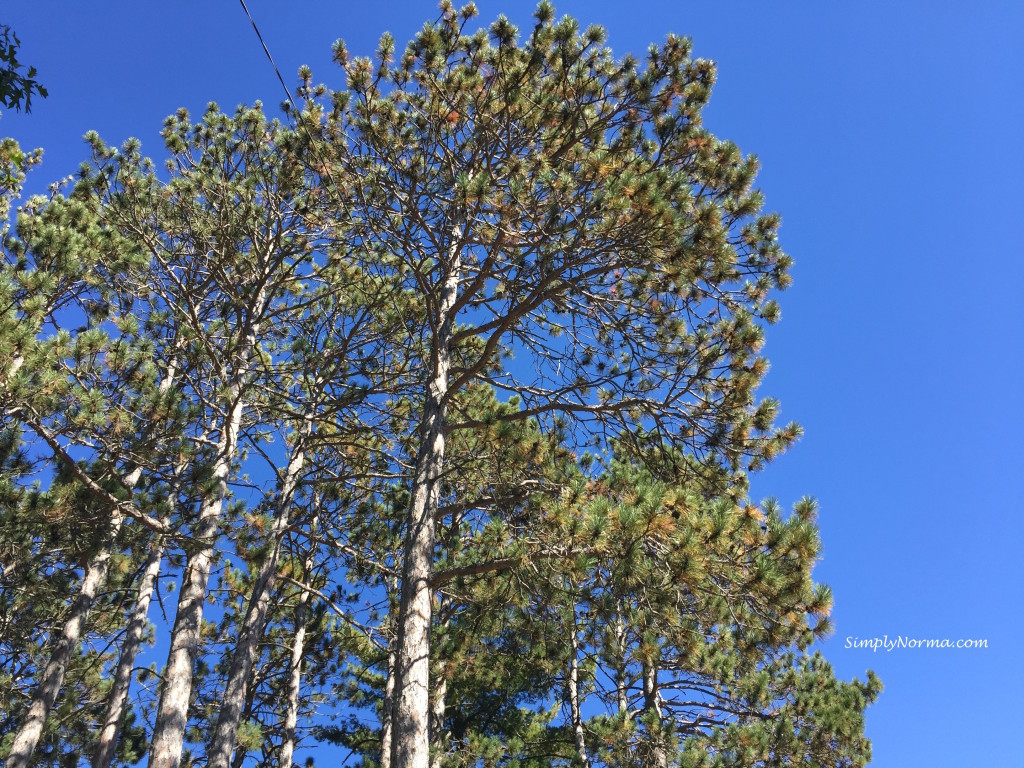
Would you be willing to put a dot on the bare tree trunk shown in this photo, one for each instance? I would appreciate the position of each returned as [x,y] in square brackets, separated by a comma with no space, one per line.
[437,713]
[291,717]
[574,699]
[172,710]
[412,705]
[438,737]
[118,696]
[239,757]
[653,705]
[8,409]
[15,366]
[386,718]
[52,677]
[411,743]
[621,695]
[254,623]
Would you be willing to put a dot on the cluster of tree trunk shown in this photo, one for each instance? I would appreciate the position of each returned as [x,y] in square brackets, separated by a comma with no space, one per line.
[424,415]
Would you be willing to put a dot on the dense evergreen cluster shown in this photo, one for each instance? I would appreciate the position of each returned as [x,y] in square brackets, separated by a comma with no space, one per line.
[417,423]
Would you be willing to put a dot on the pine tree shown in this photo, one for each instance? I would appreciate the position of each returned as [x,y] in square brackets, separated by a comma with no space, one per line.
[323,389]
[228,243]
[441,393]
[700,613]
[92,390]
[569,210]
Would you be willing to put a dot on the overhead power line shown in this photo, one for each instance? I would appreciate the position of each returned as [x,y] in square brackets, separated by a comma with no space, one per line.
[269,57]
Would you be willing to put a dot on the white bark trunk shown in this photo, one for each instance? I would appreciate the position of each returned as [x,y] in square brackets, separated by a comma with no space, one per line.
[437,714]
[14,367]
[118,696]
[652,704]
[438,735]
[386,719]
[255,620]
[291,717]
[172,710]
[575,712]
[52,678]
[412,704]
[621,694]
[411,741]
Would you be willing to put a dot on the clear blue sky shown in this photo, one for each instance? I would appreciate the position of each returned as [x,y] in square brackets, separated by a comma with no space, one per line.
[892,139]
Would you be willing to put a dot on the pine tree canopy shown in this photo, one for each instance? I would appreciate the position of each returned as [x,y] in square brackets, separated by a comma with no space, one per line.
[417,422]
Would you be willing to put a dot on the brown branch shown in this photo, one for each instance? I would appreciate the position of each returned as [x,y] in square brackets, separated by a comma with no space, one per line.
[119,505]
[342,614]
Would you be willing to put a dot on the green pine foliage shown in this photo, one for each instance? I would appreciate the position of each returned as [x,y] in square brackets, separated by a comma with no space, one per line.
[231,361]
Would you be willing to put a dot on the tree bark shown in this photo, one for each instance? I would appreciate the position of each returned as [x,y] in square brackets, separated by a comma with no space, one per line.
[118,696]
[52,678]
[255,620]
[172,710]
[652,705]
[437,713]
[412,704]
[386,719]
[438,736]
[291,717]
[411,741]
[621,694]
[575,712]
[16,363]
[239,757]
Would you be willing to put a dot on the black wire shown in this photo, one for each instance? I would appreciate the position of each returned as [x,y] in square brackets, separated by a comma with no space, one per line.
[291,101]
[269,57]
[331,184]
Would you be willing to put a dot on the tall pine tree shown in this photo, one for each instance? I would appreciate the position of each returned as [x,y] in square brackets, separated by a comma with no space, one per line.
[568,210]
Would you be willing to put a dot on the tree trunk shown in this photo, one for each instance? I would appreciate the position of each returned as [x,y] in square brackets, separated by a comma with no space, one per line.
[291,717]
[118,696]
[386,718]
[412,704]
[16,363]
[621,694]
[172,710]
[251,631]
[239,757]
[411,742]
[574,699]
[437,713]
[438,736]
[52,677]
[653,705]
